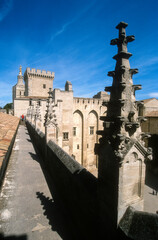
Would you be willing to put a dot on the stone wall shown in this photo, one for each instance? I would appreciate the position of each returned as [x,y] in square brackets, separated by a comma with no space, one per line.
[83,196]
[8,128]
[79,118]
[76,187]
[151,125]
[3,111]
[20,107]
[86,118]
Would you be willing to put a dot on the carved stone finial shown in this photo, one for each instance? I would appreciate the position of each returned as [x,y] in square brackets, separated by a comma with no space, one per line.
[50,116]
[20,70]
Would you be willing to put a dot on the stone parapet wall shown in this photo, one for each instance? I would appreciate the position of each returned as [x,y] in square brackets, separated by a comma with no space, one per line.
[39,72]
[87,101]
[75,186]
[8,128]
[3,111]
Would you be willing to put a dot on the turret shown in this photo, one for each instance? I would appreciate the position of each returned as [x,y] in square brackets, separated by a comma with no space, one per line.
[20,77]
[19,89]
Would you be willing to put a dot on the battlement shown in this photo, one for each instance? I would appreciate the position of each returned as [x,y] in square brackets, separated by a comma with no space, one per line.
[95,101]
[39,73]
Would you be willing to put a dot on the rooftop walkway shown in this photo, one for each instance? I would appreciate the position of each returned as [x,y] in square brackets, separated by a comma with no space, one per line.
[27,210]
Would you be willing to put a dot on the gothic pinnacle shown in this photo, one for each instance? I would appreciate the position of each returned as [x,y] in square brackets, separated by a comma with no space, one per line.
[122,116]
[20,70]
[123,55]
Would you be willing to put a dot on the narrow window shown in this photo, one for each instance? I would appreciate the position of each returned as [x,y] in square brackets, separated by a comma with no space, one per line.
[39,103]
[44,85]
[78,146]
[91,130]
[87,145]
[74,131]
[30,103]
[65,136]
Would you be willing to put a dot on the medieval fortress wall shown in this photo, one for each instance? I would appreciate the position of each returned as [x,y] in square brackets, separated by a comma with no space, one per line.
[78,119]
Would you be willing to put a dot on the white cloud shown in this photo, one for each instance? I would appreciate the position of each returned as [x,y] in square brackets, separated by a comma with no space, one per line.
[153,94]
[5,7]
[147,63]
[64,27]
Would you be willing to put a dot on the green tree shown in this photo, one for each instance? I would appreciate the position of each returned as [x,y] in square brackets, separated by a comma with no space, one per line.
[8,106]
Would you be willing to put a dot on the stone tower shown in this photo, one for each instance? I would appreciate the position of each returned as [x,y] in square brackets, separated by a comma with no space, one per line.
[37,82]
[19,88]
[121,150]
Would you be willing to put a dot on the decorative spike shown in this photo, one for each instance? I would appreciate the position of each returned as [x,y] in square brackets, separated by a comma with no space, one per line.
[130,38]
[133,71]
[111,73]
[139,103]
[108,89]
[102,133]
[121,25]
[142,119]
[114,41]
[137,87]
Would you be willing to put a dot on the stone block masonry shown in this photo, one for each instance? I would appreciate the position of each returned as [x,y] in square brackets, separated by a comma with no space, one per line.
[8,127]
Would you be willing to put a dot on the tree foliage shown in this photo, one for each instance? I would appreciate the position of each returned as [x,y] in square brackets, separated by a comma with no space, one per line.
[8,106]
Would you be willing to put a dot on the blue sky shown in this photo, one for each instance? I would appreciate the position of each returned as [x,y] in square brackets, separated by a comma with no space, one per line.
[72,38]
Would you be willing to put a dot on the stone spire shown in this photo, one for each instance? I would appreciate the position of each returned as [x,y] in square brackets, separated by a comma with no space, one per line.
[122,154]
[50,123]
[20,77]
[50,116]
[20,70]
[37,116]
[122,122]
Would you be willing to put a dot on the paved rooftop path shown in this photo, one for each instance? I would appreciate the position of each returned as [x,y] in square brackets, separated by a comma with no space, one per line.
[26,205]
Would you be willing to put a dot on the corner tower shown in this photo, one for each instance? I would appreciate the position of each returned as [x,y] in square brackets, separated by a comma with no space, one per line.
[121,150]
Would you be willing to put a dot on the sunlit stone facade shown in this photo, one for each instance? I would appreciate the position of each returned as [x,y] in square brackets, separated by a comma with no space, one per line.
[77,118]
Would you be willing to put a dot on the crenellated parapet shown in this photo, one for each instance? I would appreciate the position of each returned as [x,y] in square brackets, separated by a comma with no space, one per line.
[87,101]
[39,73]
[38,82]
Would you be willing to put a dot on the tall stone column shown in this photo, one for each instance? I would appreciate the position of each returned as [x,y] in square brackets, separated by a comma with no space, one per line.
[122,155]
